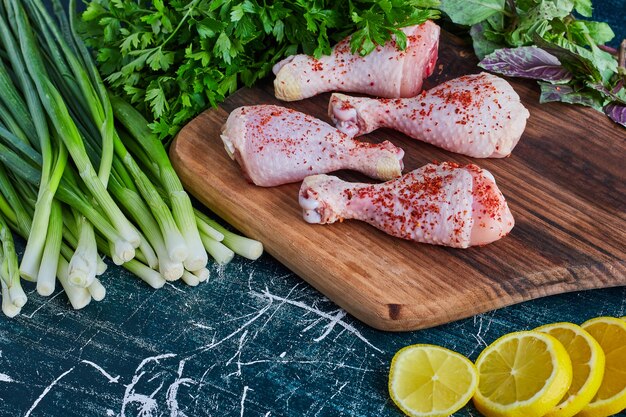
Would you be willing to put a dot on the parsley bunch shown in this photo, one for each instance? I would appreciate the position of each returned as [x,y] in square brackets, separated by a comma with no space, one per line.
[172,59]
[544,40]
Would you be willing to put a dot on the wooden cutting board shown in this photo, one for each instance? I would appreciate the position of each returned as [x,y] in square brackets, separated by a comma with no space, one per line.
[565,184]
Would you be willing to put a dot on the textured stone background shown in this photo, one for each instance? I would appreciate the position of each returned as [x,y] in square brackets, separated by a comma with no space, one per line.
[253,341]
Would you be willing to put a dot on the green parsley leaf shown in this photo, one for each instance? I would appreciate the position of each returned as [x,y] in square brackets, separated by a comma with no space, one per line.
[172,59]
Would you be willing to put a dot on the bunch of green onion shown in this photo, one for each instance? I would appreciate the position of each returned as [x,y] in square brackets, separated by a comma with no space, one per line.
[81,174]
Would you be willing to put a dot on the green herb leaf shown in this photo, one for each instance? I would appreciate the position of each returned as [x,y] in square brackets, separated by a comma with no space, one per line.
[175,58]
[583,7]
[501,30]
[471,12]
[483,45]
[567,94]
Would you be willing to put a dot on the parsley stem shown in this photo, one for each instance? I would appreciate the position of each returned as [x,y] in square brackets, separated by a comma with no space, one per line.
[190,7]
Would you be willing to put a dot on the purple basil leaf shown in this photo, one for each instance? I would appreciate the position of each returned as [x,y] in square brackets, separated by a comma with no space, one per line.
[526,62]
[617,93]
[617,113]
[567,94]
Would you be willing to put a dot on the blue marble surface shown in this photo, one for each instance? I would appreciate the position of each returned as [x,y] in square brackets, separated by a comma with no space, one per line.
[614,13]
[255,340]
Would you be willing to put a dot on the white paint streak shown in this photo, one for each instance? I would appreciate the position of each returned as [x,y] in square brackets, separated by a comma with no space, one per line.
[482,330]
[172,391]
[271,316]
[338,390]
[112,380]
[48,300]
[331,325]
[5,378]
[169,284]
[148,403]
[201,326]
[46,391]
[334,319]
[234,333]
[238,354]
[312,362]
[243,399]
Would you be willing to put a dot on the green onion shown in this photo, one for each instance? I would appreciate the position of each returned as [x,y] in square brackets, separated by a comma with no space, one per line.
[97,290]
[48,267]
[8,308]
[147,274]
[57,124]
[220,252]
[179,200]
[248,248]
[148,253]
[79,297]
[190,279]
[10,272]
[174,242]
[83,264]
[202,274]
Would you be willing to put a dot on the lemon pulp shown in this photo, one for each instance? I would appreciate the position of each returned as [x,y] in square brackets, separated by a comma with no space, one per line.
[427,380]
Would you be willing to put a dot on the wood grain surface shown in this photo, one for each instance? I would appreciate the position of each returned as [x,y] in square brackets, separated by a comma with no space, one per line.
[564,183]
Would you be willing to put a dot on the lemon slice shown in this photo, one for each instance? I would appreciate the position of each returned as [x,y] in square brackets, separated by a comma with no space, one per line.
[610,333]
[431,381]
[587,367]
[522,374]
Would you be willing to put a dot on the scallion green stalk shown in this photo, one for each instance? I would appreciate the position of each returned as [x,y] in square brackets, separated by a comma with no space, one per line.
[147,274]
[79,297]
[202,274]
[148,252]
[204,228]
[182,209]
[97,290]
[58,113]
[49,180]
[140,213]
[190,279]
[243,246]
[121,248]
[101,267]
[220,253]
[8,308]
[174,241]
[83,264]
[11,275]
[46,277]
[22,219]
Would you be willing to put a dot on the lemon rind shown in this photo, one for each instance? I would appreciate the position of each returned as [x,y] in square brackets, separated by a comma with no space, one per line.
[617,402]
[597,358]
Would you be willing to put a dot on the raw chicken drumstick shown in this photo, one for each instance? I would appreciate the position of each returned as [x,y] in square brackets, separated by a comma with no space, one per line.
[274,145]
[443,204]
[477,115]
[385,72]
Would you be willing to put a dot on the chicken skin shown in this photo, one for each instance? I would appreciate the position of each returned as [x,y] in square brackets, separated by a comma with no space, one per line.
[385,72]
[275,145]
[478,115]
[444,204]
